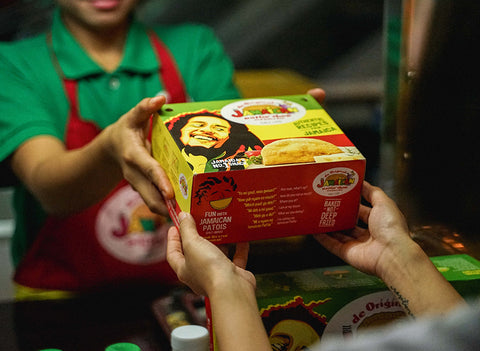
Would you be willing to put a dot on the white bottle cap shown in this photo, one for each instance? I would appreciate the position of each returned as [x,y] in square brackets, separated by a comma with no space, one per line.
[190,338]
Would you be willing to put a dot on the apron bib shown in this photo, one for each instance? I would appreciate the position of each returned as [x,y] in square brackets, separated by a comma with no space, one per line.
[113,243]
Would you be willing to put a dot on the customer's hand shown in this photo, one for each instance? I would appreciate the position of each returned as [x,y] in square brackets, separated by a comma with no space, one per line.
[200,264]
[365,248]
[127,143]
[386,250]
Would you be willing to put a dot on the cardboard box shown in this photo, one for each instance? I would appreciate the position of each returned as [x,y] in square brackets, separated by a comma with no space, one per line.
[462,271]
[217,157]
[313,305]
[304,307]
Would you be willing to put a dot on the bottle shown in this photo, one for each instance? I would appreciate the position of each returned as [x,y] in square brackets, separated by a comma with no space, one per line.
[177,315]
[123,346]
[190,338]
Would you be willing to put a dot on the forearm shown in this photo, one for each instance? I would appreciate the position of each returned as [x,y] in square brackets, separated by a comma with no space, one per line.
[66,181]
[418,285]
[236,319]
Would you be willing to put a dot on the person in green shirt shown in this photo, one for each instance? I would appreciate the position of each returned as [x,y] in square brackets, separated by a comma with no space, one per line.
[75,107]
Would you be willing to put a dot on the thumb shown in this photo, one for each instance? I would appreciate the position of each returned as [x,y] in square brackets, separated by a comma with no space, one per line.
[188,228]
[144,109]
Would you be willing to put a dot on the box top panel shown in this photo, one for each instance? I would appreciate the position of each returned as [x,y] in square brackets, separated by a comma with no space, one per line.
[249,133]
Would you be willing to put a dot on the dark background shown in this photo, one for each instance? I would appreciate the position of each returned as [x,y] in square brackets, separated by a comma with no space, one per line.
[309,36]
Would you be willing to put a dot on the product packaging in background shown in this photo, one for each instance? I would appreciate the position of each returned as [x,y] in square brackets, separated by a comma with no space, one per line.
[260,168]
[300,308]
[179,308]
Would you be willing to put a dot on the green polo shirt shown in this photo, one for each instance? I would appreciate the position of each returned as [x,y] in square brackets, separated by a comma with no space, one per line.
[33,102]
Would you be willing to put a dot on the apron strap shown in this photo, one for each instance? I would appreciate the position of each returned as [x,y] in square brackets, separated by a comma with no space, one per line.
[169,72]
[78,132]
[71,88]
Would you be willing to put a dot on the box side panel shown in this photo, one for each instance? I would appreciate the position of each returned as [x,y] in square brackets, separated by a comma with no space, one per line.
[166,152]
[270,202]
[462,271]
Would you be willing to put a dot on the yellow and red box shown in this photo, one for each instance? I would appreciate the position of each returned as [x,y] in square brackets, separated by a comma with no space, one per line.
[215,155]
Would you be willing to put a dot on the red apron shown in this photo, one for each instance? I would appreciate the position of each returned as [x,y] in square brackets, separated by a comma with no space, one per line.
[113,243]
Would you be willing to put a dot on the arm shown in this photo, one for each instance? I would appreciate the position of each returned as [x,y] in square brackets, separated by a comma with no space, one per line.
[65,181]
[231,289]
[385,249]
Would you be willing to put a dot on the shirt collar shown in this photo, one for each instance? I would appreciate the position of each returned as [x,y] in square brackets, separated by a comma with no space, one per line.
[139,56]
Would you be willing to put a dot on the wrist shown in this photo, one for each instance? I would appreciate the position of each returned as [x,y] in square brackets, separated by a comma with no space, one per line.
[106,144]
[412,277]
[399,259]
[234,305]
[232,291]
[108,153]
[230,286]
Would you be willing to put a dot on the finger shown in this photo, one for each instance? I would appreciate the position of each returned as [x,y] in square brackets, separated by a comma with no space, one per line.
[175,256]
[248,276]
[157,176]
[377,197]
[318,94]
[140,155]
[155,103]
[373,194]
[342,237]
[364,213]
[148,191]
[330,242]
[145,164]
[141,113]
[240,257]
[188,227]
[359,234]
[148,146]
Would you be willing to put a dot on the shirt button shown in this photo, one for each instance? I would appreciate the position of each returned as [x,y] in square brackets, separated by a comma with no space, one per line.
[114,83]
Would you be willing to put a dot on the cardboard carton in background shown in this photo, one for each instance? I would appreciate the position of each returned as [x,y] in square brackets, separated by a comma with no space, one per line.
[300,308]
[317,304]
[234,196]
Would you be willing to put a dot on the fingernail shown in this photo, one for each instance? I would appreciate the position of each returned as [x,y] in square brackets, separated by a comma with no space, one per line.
[182,216]
[155,99]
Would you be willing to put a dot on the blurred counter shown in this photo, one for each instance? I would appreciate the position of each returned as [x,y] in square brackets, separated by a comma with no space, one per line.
[83,324]
[298,253]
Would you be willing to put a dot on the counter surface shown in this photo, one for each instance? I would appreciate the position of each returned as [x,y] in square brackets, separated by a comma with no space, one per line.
[88,324]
